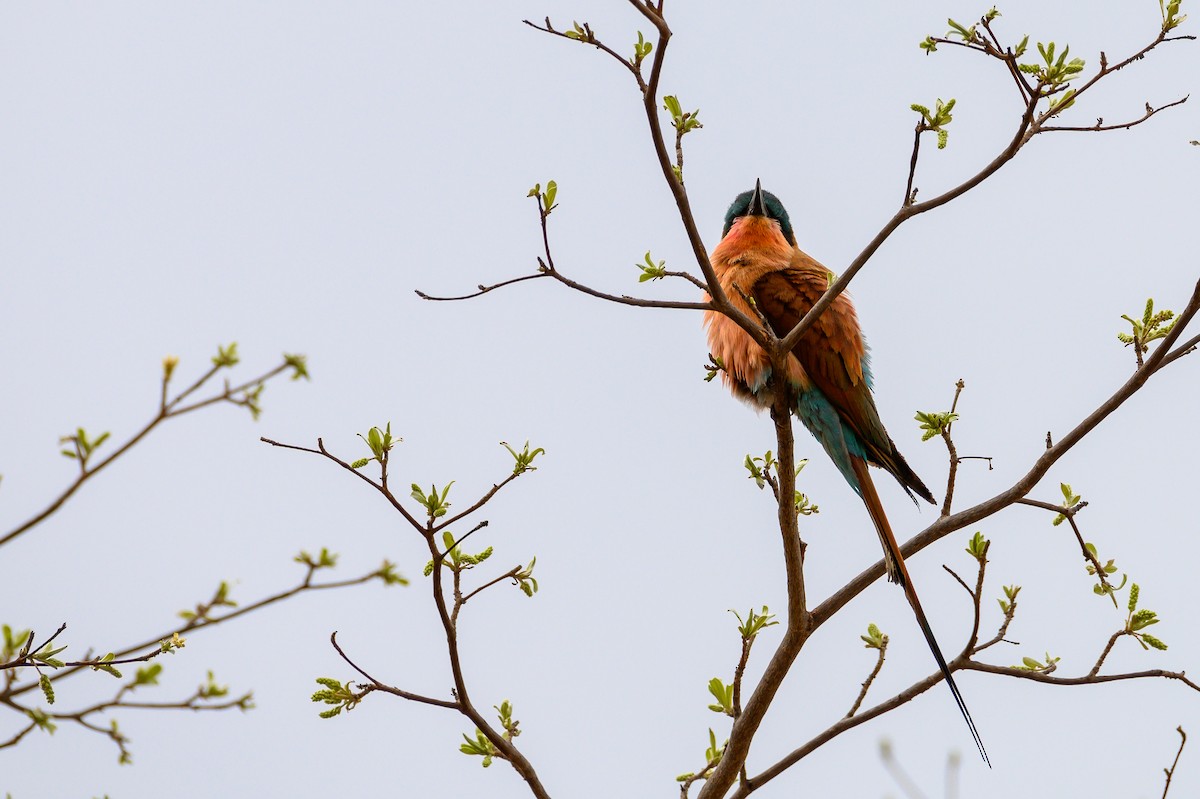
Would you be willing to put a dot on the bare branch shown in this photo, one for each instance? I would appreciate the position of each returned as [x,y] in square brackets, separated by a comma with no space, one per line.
[1170,772]
[166,411]
[866,686]
[201,622]
[378,686]
[949,524]
[1100,126]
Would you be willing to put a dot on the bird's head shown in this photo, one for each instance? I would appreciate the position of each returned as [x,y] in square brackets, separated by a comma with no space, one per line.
[759,203]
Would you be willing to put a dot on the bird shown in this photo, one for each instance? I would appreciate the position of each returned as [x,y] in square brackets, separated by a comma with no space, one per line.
[766,275]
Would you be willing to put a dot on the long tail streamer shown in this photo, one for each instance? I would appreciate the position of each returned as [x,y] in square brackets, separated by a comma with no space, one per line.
[898,573]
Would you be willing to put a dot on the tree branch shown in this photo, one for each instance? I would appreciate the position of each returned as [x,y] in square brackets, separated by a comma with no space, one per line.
[166,411]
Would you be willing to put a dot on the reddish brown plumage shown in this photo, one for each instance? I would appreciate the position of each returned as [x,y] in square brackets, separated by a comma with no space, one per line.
[755,260]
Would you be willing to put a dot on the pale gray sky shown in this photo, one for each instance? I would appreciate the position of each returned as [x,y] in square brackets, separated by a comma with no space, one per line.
[285,174]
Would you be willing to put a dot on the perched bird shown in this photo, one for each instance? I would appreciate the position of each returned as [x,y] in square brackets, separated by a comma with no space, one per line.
[829,369]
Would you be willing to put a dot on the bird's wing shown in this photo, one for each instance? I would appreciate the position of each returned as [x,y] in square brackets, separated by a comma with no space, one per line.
[832,351]
[834,356]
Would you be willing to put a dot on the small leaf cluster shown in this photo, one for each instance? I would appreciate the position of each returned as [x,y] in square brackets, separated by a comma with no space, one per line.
[641,49]
[42,719]
[480,746]
[651,270]
[1030,664]
[170,645]
[459,560]
[935,423]
[723,693]
[45,657]
[582,33]
[388,574]
[1109,568]
[545,198]
[713,368]
[712,757]
[146,675]
[1138,620]
[874,639]
[435,503]
[1151,327]
[83,446]
[1171,18]
[937,119]
[1055,72]
[209,689]
[323,560]
[227,356]
[1103,587]
[968,35]
[1070,500]
[978,546]
[14,641]
[299,366]
[342,697]
[105,666]
[525,580]
[682,121]
[220,599]
[761,473]
[524,458]
[754,623]
[804,506]
[380,442]
[1010,603]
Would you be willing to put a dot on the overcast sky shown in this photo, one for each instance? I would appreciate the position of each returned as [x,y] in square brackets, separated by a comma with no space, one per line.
[176,176]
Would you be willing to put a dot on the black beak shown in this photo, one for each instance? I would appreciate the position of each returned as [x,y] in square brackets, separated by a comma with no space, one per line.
[757,206]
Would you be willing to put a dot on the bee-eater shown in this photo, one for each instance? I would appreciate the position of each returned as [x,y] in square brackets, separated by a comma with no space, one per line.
[828,371]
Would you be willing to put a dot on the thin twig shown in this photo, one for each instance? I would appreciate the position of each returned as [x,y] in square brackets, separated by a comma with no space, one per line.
[203,622]
[510,574]
[167,410]
[866,686]
[910,194]
[897,772]
[1104,652]
[1170,772]
[546,268]
[1100,126]
[951,449]
[1069,515]
[379,686]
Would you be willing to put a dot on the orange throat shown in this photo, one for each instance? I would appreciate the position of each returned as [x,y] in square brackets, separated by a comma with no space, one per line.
[753,247]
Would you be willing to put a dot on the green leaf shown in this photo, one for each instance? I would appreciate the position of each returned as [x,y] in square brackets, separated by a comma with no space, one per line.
[874,639]
[104,666]
[298,364]
[226,357]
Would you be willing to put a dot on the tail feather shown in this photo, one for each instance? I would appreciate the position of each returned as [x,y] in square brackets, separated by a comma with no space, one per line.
[898,573]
